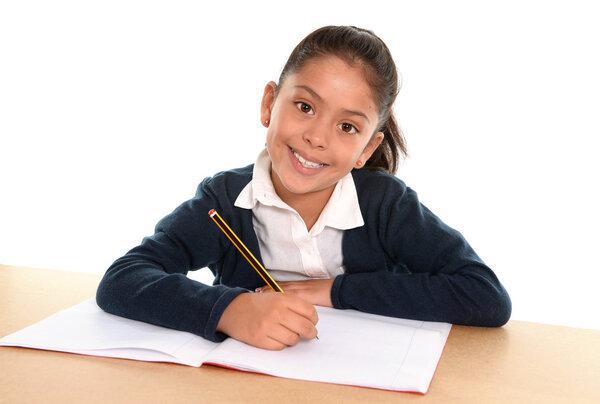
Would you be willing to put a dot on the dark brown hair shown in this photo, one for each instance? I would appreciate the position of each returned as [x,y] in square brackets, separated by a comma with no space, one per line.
[357,46]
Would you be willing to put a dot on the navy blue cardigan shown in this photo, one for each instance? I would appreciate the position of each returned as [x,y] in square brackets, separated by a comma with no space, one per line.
[404,262]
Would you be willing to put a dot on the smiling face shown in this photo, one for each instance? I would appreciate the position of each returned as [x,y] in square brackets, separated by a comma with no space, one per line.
[322,122]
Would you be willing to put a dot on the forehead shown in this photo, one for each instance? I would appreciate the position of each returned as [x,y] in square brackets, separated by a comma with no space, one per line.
[336,82]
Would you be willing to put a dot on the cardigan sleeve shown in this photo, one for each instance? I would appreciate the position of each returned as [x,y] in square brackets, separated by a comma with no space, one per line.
[149,283]
[429,272]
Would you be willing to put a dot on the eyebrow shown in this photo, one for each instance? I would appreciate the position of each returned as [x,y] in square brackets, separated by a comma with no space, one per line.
[318,97]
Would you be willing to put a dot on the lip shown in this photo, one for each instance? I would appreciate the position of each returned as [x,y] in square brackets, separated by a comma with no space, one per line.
[300,168]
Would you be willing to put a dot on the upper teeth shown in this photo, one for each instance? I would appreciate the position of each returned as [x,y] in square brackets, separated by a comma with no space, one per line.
[306,163]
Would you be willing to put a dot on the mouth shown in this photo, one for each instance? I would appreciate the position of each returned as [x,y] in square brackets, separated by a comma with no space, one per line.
[306,163]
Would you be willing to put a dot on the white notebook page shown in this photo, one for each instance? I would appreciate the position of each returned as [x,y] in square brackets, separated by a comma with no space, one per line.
[353,348]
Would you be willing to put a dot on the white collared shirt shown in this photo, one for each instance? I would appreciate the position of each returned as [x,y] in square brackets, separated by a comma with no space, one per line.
[289,251]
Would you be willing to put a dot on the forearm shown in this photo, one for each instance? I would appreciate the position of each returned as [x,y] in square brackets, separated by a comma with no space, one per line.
[140,286]
[472,296]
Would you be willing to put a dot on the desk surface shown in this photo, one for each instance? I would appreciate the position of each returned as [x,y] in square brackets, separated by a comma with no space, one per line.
[521,362]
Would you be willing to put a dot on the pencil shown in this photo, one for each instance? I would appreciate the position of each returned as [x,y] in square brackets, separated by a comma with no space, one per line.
[244,250]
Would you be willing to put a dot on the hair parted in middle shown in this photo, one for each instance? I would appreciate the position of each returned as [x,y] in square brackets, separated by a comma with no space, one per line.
[362,48]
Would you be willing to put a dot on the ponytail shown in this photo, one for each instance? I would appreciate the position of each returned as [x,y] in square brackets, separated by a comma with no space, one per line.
[392,149]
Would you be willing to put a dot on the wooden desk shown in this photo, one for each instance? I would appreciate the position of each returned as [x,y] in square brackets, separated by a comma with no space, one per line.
[521,362]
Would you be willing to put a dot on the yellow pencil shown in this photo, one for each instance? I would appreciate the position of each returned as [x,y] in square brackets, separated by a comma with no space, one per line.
[244,250]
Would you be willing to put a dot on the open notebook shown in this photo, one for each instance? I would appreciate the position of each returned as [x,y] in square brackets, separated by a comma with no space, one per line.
[353,348]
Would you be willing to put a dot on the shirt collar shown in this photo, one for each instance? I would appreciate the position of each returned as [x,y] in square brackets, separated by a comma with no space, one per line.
[260,188]
[341,212]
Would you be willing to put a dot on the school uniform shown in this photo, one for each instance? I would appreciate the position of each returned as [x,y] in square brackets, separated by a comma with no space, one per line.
[388,253]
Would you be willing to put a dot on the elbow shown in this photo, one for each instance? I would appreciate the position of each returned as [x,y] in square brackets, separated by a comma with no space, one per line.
[500,310]
[487,305]
[496,310]
[113,290]
[107,295]
[102,296]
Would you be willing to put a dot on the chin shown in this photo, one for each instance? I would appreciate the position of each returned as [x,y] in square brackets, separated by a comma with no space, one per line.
[298,189]
[304,187]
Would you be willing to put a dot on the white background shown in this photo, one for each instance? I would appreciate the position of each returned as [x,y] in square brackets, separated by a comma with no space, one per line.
[111,112]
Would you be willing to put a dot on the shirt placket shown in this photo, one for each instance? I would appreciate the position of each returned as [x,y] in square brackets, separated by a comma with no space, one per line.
[309,250]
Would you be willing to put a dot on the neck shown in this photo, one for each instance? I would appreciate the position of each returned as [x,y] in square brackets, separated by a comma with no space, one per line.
[309,205]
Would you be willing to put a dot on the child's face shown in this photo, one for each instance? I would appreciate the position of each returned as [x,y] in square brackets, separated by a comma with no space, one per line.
[321,124]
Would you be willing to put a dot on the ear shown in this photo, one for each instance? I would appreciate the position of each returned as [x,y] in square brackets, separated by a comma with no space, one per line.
[267,102]
[369,149]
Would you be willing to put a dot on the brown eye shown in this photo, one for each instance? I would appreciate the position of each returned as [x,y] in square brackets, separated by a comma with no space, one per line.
[304,107]
[347,127]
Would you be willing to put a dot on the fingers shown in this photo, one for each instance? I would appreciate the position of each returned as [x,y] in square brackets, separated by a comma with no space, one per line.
[301,321]
[286,286]
[308,313]
[281,337]
[270,321]
[278,343]
[313,291]
[284,337]
[296,316]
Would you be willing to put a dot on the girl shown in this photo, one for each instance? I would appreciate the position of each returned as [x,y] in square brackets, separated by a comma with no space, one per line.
[323,212]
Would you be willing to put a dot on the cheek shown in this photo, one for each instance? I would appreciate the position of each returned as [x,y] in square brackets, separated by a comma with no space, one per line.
[282,129]
[352,150]
[284,118]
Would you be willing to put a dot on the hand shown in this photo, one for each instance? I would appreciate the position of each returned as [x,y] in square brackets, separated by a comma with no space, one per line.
[314,291]
[269,321]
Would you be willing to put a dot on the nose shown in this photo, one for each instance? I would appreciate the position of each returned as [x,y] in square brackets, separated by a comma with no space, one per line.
[317,136]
